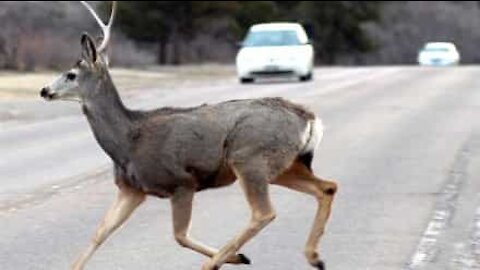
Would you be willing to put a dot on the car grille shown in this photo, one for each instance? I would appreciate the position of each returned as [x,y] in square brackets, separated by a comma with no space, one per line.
[272,72]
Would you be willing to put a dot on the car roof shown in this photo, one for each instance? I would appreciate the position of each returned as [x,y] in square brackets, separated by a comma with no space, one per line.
[276,26]
[439,45]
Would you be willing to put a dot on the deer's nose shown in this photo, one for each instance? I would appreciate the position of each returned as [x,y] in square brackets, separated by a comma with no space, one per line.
[44,92]
[47,94]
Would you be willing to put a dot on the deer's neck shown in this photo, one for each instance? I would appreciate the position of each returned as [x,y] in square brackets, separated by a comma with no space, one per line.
[110,120]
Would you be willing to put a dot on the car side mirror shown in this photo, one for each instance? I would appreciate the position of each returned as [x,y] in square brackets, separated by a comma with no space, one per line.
[239,44]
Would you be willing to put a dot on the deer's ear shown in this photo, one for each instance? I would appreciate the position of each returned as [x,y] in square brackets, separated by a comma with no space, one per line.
[89,52]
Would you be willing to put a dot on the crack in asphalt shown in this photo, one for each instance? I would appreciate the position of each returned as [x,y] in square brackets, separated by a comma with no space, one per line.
[467,255]
[467,252]
[428,248]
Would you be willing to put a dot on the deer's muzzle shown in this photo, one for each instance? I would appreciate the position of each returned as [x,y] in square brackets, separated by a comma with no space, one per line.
[47,94]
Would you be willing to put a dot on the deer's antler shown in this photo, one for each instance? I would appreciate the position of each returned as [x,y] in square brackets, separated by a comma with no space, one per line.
[106,28]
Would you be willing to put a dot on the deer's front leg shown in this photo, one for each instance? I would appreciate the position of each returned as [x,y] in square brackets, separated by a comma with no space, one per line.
[255,186]
[127,201]
[182,202]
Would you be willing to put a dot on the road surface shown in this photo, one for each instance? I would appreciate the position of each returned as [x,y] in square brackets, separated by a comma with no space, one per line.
[402,142]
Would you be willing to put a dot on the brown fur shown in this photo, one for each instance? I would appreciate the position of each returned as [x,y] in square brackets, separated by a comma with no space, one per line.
[278,102]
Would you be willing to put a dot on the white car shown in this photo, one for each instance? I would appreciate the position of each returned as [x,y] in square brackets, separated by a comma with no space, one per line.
[275,49]
[438,54]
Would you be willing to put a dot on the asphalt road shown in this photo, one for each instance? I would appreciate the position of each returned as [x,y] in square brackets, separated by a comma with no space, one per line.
[402,142]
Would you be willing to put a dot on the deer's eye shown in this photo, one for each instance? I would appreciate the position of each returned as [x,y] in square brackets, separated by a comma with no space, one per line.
[71,76]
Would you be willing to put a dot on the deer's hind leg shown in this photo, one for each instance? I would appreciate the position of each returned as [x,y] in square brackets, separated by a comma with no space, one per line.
[300,178]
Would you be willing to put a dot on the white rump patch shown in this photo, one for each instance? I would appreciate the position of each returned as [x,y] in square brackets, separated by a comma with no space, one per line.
[312,136]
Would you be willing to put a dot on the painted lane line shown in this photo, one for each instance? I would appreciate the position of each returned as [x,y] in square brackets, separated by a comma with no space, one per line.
[428,248]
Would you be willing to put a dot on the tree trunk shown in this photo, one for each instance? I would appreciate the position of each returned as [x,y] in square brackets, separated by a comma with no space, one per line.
[325,56]
[162,52]
[12,61]
[176,43]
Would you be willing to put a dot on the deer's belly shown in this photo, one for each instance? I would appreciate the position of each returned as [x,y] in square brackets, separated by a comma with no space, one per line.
[222,177]
[163,183]
[147,182]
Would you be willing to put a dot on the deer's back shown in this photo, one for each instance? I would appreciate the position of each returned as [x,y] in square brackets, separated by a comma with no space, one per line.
[195,147]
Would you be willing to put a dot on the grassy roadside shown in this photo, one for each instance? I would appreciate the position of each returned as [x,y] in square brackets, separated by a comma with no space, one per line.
[16,85]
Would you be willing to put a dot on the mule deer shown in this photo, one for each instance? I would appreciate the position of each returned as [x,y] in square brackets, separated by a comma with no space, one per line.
[175,152]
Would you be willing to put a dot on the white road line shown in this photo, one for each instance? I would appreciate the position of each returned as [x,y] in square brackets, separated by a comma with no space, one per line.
[467,254]
[428,248]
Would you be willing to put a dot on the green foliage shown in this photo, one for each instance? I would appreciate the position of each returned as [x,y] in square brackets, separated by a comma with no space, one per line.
[166,22]
[252,12]
[337,25]
[143,20]
[158,20]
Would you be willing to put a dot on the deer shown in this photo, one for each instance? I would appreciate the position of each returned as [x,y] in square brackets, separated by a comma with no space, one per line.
[175,152]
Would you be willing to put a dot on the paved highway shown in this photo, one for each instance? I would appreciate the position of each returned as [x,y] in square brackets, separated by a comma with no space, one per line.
[402,142]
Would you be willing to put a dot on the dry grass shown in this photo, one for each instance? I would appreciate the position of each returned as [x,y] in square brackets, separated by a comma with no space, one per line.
[27,85]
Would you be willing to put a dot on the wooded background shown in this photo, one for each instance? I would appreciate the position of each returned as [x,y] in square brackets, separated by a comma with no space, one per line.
[46,35]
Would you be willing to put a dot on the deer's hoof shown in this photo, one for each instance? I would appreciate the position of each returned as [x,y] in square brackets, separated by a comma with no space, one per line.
[320,265]
[244,259]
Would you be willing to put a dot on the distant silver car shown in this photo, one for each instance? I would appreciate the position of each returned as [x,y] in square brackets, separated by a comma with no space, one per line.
[275,49]
[438,54]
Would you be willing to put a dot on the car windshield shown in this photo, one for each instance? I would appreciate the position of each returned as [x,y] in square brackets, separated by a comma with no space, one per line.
[271,38]
[438,49]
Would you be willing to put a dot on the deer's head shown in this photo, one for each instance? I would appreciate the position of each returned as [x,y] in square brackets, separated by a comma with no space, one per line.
[81,80]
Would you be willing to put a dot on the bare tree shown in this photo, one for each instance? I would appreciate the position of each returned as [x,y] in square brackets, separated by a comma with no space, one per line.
[407,25]
[31,36]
